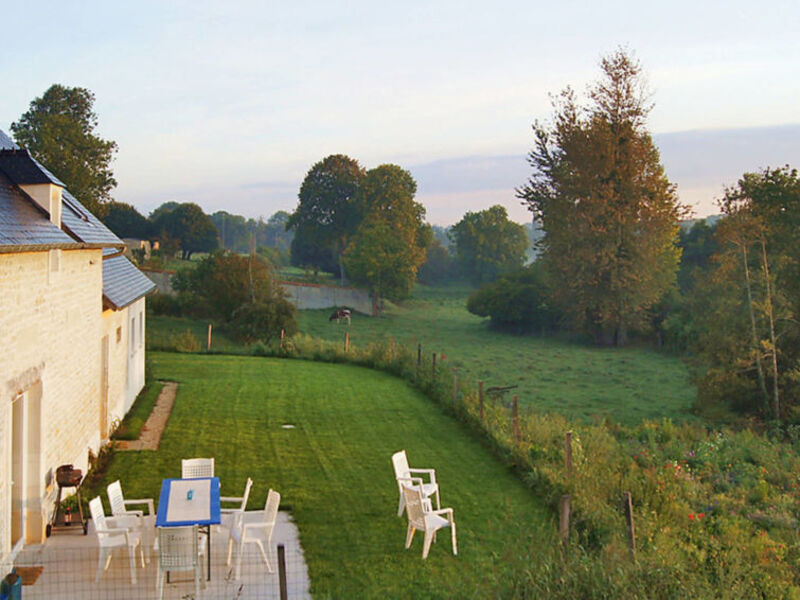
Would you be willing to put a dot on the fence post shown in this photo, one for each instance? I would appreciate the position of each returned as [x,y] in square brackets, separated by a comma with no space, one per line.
[563,512]
[629,519]
[433,367]
[455,387]
[568,454]
[480,400]
[282,572]
[515,416]
[283,334]
[346,341]
[208,346]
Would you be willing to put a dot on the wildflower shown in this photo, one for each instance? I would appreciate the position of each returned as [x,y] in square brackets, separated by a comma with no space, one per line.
[700,515]
[691,517]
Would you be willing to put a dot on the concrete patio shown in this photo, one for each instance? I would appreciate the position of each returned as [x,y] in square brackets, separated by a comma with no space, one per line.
[69,562]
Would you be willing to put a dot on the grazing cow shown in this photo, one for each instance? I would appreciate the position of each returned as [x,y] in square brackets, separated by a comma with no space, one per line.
[339,314]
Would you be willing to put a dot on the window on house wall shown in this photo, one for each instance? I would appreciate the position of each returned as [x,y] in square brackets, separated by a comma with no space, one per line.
[119,334]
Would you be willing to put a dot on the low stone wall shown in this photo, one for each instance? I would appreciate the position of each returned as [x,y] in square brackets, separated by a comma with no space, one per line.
[162,279]
[302,295]
[313,295]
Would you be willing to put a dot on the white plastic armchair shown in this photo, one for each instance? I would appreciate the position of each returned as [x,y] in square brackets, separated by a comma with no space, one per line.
[197,467]
[229,514]
[179,549]
[403,471]
[258,532]
[127,517]
[421,517]
[110,536]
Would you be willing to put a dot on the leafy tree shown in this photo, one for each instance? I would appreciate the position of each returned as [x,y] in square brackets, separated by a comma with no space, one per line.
[191,226]
[58,129]
[127,222]
[487,244]
[234,233]
[438,265]
[609,213]
[222,282]
[166,207]
[390,243]
[518,301]
[747,330]
[328,213]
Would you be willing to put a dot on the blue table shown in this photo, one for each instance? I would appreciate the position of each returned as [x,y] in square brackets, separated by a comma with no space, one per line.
[190,502]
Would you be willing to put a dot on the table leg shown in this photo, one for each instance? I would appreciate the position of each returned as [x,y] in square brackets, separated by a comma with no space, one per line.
[208,569]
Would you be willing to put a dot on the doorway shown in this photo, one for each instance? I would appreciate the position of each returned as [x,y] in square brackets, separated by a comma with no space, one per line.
[27,519]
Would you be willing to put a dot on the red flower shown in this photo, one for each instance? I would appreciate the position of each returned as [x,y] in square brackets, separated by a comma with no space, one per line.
[691,517]
[700,515]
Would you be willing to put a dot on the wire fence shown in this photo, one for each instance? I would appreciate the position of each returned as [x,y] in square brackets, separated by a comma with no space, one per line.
[68,571]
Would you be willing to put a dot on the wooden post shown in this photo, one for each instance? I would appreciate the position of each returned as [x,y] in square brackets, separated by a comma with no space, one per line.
[568,454]
[283,334]
[282,572]
[629,517]
[515,416]
[433,367]
[208,347]
[480,400]
[455,387]
[563,529]
[346,341]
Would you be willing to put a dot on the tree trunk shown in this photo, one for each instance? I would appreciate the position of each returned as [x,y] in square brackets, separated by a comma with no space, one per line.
[762,384]
[341,268]
[776,405]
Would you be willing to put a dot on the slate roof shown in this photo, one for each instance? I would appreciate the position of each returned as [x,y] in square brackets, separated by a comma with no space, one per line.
[123,283]
[23,226]
[22,168]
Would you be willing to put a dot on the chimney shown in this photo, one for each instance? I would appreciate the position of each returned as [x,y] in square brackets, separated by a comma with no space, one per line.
[48,196]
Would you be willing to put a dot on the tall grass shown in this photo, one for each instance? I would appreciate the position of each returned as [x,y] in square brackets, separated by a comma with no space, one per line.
[716,512]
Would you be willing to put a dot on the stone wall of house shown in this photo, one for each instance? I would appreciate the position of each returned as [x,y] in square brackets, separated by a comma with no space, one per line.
[126,358]
[312,295]
[50,330]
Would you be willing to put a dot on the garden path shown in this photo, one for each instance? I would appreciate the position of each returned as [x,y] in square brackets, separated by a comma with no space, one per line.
[150,435]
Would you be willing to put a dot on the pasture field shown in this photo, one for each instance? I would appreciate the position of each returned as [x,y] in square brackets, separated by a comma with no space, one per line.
[570,378]
[334,472]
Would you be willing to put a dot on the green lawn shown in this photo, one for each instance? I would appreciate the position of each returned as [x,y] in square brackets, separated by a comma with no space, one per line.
[577,380]
[334,472]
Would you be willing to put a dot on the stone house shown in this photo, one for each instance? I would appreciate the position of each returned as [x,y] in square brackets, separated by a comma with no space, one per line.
[72,328]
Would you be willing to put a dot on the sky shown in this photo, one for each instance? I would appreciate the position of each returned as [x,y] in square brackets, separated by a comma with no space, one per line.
[229,104]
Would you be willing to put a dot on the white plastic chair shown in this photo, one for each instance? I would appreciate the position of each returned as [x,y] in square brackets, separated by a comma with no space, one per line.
[421,517]
[229,514]
[110,536]
[403,471]
[127,517]
[258,533]
[197,467]
[179,549]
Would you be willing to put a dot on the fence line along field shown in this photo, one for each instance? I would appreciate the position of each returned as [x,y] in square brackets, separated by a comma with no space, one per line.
[574,379]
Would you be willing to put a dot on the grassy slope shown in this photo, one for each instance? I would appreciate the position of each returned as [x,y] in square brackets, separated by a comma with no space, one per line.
[628,384]
[333,470]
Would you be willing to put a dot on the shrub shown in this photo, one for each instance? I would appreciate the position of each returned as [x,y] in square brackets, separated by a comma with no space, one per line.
[263,321]
[185,342]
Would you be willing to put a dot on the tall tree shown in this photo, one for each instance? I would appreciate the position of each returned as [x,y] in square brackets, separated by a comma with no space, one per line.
[487,244]
[389,246]
[328,212]
[127,222]
[58,129]
[754,298]
[609,213]
[191,226]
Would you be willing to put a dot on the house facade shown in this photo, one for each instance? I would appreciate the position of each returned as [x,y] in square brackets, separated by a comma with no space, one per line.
[72,324]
